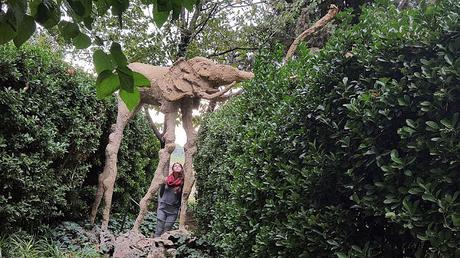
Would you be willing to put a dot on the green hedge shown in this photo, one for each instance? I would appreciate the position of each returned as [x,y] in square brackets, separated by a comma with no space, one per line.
[352,152]
[53,135]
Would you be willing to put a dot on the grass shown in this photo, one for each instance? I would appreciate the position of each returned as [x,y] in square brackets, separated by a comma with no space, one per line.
[22,245]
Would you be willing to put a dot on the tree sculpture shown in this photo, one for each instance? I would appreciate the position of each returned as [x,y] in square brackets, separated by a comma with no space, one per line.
[180,86]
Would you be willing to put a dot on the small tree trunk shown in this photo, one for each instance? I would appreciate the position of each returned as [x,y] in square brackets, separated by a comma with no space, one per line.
[107,177]
[170,111]
[190,150]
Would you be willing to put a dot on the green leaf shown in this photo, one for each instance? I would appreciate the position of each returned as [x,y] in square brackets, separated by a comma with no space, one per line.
[395,157]
[177,8]
[118,55]
[140,80]
[188,4]
[429,197]
[118,7]
[411,123]
[81,41]
[102,7]
[102,61]
[432,125]
[7,32]
[448,59]
[106,84]
[46,13]
[390,215]
[425,103]
[131,99]
[69,30]
[25,30]
[456,220]
[163,5]
[160,17]
[81,8]
[19,9]
[341,255]
[126,78]
[447,123]
[77,7]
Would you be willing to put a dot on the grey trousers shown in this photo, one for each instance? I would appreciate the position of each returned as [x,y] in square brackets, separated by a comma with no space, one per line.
[165,221]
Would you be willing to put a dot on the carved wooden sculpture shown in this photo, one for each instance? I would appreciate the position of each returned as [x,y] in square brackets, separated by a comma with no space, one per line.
[173,88]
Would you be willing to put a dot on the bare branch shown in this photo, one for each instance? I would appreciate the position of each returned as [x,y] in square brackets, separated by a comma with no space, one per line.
[333,10]
[203,24]
[153,127]
[231,50]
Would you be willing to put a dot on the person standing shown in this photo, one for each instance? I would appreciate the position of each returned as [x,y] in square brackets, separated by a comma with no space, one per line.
[170,200]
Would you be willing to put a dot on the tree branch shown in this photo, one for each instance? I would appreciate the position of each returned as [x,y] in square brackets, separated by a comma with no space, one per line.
[153,127]
[231,50]
[203,24]
[333,10]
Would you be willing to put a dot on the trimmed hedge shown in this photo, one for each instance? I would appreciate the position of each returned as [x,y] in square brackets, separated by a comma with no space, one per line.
[52,141]
[353,152]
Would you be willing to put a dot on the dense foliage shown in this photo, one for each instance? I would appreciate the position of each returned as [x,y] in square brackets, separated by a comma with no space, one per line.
[354,151]
[73,20]
[52,141]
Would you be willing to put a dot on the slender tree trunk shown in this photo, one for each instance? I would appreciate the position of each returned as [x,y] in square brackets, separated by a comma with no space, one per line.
[107,177]
[170,111]
[190,149]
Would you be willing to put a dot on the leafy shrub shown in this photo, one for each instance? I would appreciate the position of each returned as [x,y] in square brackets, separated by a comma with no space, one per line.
[52,141]
[352,152]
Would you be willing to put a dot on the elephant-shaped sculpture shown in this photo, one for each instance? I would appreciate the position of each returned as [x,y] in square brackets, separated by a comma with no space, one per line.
[171,88]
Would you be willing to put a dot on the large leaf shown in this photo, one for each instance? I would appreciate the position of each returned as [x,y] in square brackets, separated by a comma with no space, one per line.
[19,8]
[69,30]
[161,10]
[140,80]
[188,4]
[7,32]
[131,99]
[164,5]
[82,41]
[81,8]
[160,17]
[102,61]
[25,30]
[102,6]
[176,9]
[46,13]
[106,84]
[117,54]
[119,6]
[126,78]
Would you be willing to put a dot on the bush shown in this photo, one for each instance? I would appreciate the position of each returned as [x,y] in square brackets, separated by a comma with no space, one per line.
[52,141]
[350,152]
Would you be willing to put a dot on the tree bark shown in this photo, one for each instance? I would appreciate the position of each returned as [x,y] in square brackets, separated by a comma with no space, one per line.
[333,10]
[170,111]
[190,149]
[107,177]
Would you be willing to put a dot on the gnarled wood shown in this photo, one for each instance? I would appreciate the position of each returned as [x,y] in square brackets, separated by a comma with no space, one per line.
[333,10]
[171,88]
[189,150]
[107,177]
[170,111]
